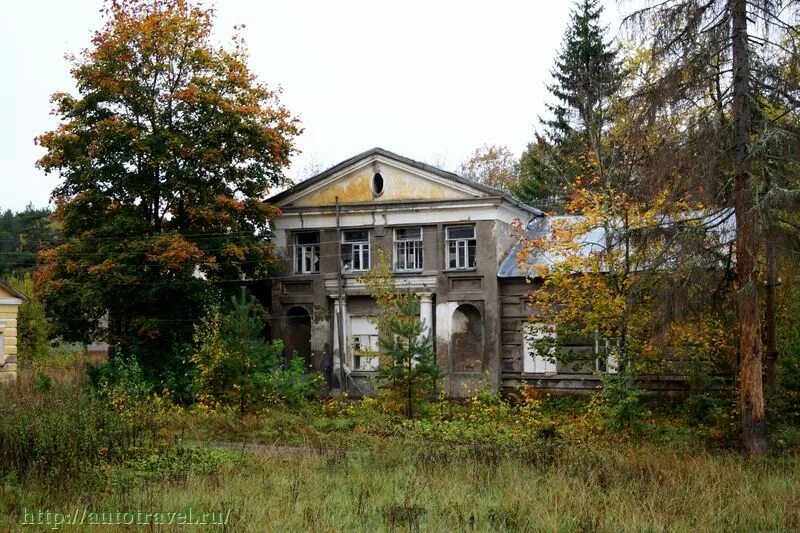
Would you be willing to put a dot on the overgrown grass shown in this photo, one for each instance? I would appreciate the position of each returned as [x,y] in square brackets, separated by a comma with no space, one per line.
[484,465]
[577,489]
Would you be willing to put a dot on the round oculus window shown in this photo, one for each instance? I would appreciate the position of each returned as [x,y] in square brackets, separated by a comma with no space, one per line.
[377,184]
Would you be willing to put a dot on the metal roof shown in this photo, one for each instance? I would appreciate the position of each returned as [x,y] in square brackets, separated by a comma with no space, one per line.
[720,223]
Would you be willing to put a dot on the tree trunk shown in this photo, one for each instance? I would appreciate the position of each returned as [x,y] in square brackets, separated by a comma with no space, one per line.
[752,393]
[770,319]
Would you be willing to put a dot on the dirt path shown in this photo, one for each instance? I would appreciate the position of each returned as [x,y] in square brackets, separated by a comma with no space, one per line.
[274,449]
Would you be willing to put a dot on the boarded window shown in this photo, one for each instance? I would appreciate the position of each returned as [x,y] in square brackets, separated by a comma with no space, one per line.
[364,343]
[535,361]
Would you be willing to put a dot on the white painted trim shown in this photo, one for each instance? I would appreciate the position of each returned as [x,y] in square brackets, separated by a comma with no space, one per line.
[11,301]
[381,215]
[415,283]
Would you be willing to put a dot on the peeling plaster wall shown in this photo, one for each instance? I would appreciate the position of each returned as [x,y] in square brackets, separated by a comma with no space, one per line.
[409,199]
[399,185]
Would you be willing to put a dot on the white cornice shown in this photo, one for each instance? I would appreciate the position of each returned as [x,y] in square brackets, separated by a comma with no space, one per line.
[418,283]
[401,215]
[10,301]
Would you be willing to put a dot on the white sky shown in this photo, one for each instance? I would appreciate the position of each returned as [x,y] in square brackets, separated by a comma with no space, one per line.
[430,80]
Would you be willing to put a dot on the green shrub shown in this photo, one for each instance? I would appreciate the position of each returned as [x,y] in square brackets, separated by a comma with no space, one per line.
[619,403]
[292,383]
[237,367]
[33,329]
[120,380]
[43,382]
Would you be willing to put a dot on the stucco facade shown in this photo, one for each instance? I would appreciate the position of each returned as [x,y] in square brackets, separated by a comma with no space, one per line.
[458,293]
[452,242]
[10,300]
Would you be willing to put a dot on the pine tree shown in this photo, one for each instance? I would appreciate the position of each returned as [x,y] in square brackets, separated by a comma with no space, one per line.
[408,371]
[704,56]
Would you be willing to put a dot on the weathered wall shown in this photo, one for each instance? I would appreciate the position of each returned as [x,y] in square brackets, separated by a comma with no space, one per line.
[399,185]
[477,288]
[572,378]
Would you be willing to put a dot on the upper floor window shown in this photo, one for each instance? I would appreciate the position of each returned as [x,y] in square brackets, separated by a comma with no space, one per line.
[461,246]
[355,250]
[408,249]
[306,252]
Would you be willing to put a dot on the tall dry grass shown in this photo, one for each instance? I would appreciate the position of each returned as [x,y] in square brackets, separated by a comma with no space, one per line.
[396,488]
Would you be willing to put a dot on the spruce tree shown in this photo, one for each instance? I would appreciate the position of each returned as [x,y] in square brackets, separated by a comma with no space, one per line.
[586,75]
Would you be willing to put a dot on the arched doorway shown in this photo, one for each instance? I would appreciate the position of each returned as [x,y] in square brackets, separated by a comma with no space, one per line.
[297,334]
[466,340]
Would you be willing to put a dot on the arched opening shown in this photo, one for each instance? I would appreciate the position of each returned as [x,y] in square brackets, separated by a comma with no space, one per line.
[297,335]
[466,340]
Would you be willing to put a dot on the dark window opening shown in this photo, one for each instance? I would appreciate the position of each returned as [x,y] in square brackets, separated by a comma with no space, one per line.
[377,184]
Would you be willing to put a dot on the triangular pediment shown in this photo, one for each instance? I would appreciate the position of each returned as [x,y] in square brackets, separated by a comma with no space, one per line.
[401,180]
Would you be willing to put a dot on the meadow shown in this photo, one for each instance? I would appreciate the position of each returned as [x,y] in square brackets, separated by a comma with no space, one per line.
[488,464]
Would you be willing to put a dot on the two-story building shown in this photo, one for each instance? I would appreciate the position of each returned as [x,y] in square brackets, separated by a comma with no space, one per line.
[451,241]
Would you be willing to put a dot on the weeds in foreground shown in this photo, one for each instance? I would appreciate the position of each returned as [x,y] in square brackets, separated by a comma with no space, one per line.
[490,463]
[396,488]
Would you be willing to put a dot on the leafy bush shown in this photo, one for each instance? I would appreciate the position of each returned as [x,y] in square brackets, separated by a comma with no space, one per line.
[121,381]
[619,402]
[179,375]
[237,367]
[43,382]
[292,383]
[121,384]
[32,326]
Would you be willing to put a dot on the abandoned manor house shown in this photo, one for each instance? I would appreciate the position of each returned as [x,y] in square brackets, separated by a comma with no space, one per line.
[452,242]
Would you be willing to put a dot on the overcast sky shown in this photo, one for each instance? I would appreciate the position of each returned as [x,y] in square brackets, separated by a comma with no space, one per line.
[430,80]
